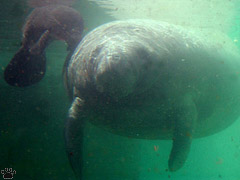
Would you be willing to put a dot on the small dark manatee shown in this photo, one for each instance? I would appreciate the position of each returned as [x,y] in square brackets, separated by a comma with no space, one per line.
[43,25]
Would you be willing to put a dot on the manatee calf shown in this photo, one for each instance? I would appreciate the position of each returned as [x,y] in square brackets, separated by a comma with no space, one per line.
[46,23]
[151,80]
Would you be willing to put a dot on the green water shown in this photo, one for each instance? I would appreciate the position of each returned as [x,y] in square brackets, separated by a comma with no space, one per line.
[32,124]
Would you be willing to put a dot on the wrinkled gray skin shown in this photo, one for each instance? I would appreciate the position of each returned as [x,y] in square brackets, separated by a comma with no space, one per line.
[151,80]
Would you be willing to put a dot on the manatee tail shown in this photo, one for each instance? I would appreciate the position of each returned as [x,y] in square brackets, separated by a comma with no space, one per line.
[25,68]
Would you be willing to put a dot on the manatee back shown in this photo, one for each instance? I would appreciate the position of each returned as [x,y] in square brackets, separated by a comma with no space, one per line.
[155,64]
[125,57]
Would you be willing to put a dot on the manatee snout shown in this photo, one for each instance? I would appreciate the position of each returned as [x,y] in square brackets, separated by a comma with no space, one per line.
[116,75]
[121,69]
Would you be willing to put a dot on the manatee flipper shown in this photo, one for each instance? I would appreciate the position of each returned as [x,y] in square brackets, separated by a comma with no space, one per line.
[74,136]
[41,44]
[183,132]
[25,68]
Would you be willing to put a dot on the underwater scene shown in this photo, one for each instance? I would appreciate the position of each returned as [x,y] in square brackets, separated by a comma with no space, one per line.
[120,89]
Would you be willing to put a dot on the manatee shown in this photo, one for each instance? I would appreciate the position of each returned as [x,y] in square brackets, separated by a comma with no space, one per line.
[43,25]
[150,80]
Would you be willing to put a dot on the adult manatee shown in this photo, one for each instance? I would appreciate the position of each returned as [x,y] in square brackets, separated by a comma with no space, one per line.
[150,80]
